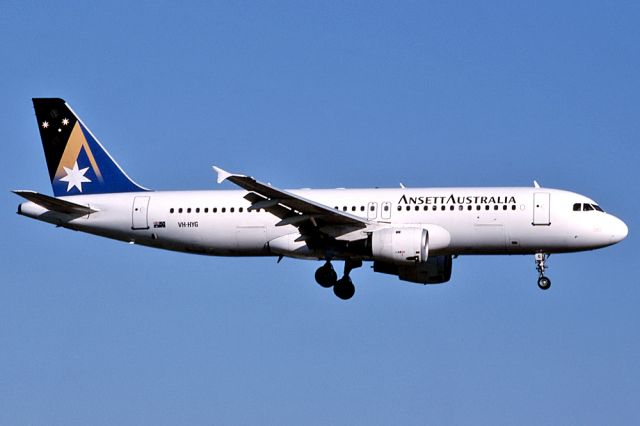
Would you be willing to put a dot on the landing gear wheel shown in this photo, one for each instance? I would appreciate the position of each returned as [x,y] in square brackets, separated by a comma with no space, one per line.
[326,276]
[541,265]
[544,283]
[344,288]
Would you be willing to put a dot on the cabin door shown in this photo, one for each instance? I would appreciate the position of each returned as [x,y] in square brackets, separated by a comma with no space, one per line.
[541,208]
[140,213]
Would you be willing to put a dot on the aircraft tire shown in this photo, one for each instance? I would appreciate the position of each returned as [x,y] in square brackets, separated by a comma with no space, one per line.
[344,288]
[544,283]
[326,276]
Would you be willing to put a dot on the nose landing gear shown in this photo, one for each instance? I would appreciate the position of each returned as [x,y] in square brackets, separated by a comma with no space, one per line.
[543,282]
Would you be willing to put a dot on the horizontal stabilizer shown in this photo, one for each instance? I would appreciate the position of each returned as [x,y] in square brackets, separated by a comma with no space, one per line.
[55,204]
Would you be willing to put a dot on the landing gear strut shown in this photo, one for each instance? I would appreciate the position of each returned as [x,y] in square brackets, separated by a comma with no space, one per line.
[344,287]
[543,282]
[327,277]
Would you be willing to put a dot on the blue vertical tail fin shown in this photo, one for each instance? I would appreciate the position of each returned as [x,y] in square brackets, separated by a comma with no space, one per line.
[77,162]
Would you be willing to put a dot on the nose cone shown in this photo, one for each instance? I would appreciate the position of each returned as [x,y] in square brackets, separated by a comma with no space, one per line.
[618,230]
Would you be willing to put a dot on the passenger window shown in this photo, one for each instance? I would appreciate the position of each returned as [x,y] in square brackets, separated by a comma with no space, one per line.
[240,209]
[495,207]
[399,208]
[362,208]
[417,208]
[353,208]
[470,207]
[171,210]
[478,207]
[206,209]
[435,208]
[460,207]
[513,207]
[486,207]
[231,210]
[587,207]
[215,210]
[224,209]
[372,208]
[386,208]
[408,208]
[426,208]
[189,210]
[577,207]
[180,210]
[450,208]
[344,208]
[504,207]
[197,209]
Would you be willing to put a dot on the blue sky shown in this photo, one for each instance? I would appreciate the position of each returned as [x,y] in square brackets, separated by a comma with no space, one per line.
[322,94]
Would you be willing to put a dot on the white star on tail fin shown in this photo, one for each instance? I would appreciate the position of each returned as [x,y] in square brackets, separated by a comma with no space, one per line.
[75,177]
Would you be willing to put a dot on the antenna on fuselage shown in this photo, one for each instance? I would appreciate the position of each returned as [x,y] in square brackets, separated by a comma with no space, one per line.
[536,184]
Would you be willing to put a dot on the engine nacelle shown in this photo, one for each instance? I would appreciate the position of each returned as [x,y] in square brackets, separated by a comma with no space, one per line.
[436,270]
[400,246]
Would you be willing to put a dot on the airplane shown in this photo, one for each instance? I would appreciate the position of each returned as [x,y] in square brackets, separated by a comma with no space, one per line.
[412,233]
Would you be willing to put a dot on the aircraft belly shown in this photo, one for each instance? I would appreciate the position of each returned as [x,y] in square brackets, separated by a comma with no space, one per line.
[251,239]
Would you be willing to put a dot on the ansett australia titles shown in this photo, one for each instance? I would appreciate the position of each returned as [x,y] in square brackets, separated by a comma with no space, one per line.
[454,199]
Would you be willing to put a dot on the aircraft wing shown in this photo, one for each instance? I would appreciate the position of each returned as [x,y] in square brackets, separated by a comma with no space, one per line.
[295,210]
[55,204]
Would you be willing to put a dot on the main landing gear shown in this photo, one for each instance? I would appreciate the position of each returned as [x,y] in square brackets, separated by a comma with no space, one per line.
[543,282]
[327,277]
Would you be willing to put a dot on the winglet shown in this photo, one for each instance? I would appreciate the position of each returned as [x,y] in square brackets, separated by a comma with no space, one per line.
[222,174]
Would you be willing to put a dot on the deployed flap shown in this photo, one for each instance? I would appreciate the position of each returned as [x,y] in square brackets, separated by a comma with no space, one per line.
[55,204]
[313,211]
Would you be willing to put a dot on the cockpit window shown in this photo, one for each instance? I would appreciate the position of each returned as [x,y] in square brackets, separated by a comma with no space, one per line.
[586,207]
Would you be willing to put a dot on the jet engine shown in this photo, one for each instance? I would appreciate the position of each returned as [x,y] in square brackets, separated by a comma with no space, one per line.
[400,246]
[436,270]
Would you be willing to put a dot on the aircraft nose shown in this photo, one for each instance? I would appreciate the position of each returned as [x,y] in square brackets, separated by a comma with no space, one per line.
[618,230]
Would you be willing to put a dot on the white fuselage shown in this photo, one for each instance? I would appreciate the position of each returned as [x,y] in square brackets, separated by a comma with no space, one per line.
[462,220]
